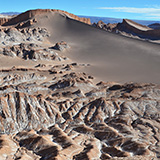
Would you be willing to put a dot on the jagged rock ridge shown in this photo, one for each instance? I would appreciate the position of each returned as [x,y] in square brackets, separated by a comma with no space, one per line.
[129,27]
[31,13]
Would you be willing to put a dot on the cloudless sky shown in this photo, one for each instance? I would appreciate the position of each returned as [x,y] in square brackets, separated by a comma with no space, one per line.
[132,9]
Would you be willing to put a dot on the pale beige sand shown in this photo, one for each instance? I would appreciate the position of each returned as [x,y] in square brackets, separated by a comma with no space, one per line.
[112,57]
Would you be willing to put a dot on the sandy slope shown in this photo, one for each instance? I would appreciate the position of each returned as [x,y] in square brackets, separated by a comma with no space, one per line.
[112,57]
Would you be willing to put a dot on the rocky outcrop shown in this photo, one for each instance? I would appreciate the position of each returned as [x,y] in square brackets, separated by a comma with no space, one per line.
[26,16]
[102,25]
[32,13]
[130,28]
[61,46]
[9,36]
[26,112]
[3,20]
[31,51]
[141,31]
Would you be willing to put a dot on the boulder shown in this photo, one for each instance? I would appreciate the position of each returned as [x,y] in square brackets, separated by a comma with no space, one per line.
[61,46]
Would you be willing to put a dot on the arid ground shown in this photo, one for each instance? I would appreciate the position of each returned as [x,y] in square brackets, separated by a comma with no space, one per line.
[73,90]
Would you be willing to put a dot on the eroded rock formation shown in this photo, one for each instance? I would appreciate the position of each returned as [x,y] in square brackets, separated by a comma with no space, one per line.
[32,52]
[3,20]
[10,36]
[32,13]
[61,46]
[67,116]
[102,25]
[134,28]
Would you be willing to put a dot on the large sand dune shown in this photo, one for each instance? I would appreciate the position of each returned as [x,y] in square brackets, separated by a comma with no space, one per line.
[112,57]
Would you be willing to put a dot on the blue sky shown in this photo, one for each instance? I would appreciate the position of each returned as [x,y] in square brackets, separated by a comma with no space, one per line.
[135,9]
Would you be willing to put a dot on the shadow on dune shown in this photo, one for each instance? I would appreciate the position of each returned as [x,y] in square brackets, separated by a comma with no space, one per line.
[112,57]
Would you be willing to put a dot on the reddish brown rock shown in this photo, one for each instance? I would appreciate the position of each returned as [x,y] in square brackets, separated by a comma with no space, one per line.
[84,20]
[32,13]
[102,25]
[3,20]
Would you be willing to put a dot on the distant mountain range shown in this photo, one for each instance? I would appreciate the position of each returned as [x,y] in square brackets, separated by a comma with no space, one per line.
[117,20]
[10,13]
